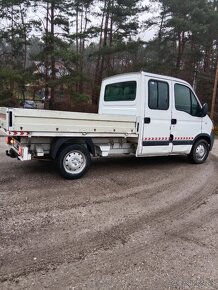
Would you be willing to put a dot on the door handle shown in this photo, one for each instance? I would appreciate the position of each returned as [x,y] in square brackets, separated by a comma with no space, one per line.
[147,120]
[173,121]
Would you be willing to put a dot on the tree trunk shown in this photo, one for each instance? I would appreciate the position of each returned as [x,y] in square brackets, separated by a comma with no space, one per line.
[160,33]
[46,56]
[52,51]
[81,84]
[24,34]
[214,94]
[109,65]
[105,38]
[95,89]
[207,58]
[181,47]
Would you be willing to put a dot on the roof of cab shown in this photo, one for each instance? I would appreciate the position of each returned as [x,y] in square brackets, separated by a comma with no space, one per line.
[149,75]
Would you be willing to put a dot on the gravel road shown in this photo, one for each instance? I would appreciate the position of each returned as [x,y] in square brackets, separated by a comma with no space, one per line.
[128,224]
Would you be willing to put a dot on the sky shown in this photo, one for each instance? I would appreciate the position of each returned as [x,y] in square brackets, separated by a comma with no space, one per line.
[154,12]
[145,35]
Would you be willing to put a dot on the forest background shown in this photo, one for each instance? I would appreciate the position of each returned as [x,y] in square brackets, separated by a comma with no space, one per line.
[60,50]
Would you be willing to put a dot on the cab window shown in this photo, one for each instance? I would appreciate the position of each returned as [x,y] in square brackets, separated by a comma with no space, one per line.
[186,101]
[123,91]
[158,95]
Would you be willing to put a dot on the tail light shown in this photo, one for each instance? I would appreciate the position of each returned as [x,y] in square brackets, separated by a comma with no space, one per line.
[9,140]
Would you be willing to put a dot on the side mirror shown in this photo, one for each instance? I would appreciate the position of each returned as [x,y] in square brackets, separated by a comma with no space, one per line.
[204,110]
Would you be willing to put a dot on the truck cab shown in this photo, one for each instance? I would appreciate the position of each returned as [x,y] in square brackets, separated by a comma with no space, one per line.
[170,117]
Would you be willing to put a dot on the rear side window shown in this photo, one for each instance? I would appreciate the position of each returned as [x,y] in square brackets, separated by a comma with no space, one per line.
[124,91]
[185,101]
[158,95]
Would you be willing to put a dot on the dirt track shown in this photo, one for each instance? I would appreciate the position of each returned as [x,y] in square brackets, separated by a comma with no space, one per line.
[128,224]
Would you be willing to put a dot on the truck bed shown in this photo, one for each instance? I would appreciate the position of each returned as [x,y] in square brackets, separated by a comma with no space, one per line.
[30,122]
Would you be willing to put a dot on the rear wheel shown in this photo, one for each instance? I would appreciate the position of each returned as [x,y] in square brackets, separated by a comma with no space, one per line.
[200,151]
[73,161]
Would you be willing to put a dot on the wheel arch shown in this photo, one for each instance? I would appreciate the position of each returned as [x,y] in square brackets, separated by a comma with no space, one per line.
[60,143]
[205,137]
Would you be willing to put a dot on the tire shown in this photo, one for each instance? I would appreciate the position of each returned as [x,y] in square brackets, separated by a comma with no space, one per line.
[200,151]
[73,161]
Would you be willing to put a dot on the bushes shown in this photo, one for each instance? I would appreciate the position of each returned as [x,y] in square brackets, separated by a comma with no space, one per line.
[7,99]
[10,85]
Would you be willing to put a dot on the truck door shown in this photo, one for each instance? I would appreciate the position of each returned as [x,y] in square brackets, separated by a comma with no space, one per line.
[157,118]
[186,120]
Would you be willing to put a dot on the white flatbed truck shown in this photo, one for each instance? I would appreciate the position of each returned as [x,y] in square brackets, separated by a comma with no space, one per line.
[139,113]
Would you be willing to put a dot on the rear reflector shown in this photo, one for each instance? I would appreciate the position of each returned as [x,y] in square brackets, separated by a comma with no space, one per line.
[20,151]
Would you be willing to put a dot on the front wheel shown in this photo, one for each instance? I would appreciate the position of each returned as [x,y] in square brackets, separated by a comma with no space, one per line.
[73,161]
[200,151]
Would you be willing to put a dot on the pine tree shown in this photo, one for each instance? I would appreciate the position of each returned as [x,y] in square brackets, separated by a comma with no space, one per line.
[119,24]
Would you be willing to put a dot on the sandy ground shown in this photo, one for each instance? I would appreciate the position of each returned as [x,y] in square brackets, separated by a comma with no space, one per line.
[130,223]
